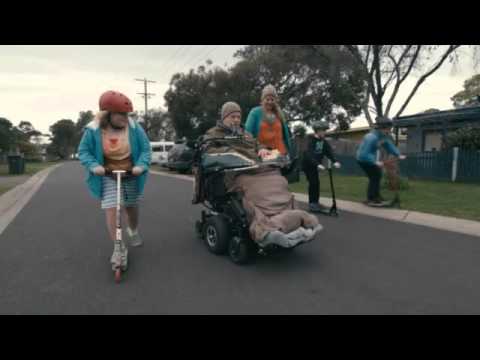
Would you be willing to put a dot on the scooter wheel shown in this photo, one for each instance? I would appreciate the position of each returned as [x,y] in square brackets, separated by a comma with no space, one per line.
[118,275]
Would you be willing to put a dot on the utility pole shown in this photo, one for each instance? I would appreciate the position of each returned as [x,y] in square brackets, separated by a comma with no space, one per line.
[146,95]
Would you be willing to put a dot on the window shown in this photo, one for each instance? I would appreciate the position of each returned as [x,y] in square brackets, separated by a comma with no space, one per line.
[433,140]
[168,147]
[157,148]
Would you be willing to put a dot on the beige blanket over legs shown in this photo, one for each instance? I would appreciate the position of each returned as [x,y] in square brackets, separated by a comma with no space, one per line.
[269,204]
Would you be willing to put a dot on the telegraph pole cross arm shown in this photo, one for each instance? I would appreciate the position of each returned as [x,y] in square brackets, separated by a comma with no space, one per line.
[146,95]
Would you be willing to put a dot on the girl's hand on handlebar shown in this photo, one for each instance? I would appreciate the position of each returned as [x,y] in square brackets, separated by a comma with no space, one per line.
[263,152]
[137,170]
[99,170]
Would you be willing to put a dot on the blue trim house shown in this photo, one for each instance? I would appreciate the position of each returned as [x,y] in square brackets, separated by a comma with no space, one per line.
[427,131]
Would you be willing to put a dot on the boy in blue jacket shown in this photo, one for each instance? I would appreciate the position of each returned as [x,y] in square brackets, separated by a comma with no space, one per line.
[367,157]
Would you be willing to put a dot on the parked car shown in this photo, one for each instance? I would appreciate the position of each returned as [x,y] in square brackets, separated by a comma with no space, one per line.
[180,158]
[160,151]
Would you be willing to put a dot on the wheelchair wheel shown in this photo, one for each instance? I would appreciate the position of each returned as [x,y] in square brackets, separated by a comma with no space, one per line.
[240,250]
[216,235]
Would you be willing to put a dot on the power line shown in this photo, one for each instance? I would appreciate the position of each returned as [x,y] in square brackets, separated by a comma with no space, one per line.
[178,67]
[196,57]
[174,63]
[173,56]
[205,56]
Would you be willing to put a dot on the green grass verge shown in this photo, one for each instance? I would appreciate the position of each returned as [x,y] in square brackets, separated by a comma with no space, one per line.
[30,168]
[434,197]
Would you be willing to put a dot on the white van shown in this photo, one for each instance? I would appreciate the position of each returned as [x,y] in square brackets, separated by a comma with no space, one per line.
[160,151]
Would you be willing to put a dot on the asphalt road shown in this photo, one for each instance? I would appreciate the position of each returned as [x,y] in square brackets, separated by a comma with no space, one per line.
[54,259]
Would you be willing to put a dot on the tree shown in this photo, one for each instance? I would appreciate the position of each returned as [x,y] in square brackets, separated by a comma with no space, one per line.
[23,134]
[310,87]
[429,111]
[467,138]
[386,67]
[313,81]
[470,95]
[194,100]
[160,126]
[84,118]
[64,136]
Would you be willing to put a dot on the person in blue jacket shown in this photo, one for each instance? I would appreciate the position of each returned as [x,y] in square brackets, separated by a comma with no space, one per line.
[367,157]
[111,142]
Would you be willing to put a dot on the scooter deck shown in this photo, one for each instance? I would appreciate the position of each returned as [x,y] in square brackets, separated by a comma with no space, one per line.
[327,212]
[385,204]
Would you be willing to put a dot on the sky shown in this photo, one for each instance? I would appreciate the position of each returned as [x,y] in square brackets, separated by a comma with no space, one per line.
[43,84]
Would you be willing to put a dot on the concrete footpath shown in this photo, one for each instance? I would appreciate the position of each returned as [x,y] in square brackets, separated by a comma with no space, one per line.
[468,227]
[13,201]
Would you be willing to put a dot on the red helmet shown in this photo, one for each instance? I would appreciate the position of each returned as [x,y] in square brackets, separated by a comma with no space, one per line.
[114,101]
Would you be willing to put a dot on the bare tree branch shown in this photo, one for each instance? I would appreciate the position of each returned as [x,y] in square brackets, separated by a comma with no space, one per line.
[401,79]
[367,57]
[396,69]
[412,63]
[449,51]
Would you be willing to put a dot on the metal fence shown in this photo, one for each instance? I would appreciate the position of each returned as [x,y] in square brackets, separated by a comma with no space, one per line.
[468,166]
[438,165]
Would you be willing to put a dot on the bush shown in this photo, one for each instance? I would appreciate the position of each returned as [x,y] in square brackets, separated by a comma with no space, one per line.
[467,138]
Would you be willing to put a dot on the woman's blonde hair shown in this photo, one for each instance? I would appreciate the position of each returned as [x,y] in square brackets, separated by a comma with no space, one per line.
[102,117]
[276,109]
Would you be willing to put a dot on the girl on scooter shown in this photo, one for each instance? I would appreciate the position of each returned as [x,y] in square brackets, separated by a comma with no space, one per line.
[111,142]
[317,148]
[367,157]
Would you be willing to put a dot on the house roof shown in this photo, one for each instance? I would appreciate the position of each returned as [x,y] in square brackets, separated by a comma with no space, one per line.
[463,114]
[349,131]
[359,130]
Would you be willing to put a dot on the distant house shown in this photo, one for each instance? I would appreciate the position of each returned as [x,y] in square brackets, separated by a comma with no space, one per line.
[355,136]
[427,131]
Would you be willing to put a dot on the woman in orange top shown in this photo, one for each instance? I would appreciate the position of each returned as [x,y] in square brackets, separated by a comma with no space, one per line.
[267,123]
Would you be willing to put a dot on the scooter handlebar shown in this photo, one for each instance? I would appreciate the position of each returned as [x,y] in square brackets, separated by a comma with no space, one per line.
[114,172]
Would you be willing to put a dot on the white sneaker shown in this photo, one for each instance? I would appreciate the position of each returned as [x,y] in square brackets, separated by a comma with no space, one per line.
[124,256]
[120,256]
[275,237]
[135,239]
[116,259]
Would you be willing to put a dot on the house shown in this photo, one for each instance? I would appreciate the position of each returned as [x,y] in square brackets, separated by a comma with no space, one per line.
[346,141]
[427,131]
[355,134]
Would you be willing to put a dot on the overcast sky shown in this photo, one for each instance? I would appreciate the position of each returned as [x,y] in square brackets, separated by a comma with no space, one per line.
[43,84]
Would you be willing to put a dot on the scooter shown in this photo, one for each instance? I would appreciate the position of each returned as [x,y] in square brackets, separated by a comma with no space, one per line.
[118,238]
[393,176]
[333,209]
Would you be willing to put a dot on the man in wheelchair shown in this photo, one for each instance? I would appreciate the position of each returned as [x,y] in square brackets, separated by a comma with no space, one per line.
[232,170]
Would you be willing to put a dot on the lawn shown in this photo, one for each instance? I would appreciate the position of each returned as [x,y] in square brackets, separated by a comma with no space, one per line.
[14,180]
[434,197]
[30,168]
